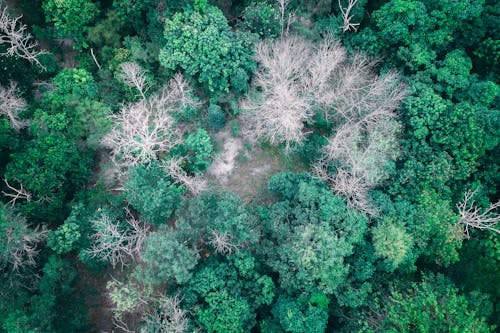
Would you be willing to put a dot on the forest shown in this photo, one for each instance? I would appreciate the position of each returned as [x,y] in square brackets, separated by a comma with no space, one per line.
[180,166]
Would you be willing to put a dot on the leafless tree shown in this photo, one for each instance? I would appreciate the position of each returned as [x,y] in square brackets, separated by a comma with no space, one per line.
[17,193]
[146,128]
[166,316]
[472,216]
[11,104]
[20,42]
[279,106]
[115,243]
[19,242]
[346,15]
[134,75]
[297,77]
[194,184]
[223,242]
[285,20]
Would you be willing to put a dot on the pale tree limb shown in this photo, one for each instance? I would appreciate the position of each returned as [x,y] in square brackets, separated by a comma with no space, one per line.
[223,243]
[346,15]
[134,75]
[194,184]
[20,42]
[472,216]
[115,243]
[11,104]
[17,193]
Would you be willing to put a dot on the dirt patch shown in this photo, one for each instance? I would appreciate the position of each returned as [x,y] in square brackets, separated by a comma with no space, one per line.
[242,168]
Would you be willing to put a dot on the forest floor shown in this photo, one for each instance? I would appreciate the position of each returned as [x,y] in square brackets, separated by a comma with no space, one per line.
[245,169]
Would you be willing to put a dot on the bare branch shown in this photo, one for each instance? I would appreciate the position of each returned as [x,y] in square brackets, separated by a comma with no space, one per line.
[114,243]
[145,129]
[134,75]
[19,193]
[472,216]
[20,242]
[11,104]
[194,184]
[167,316]
[20,42]
[223,242]
[346,15]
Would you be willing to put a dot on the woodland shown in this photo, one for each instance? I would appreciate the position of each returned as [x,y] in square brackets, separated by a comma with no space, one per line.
[179,166]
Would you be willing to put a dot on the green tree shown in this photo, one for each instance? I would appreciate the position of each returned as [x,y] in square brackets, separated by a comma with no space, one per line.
[152,193]
[202,45]
[310,232]
[433,305]
[71,18]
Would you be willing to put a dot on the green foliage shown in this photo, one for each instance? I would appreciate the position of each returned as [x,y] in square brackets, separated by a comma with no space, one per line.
[197,151]
[71,18]
[152,193]
[223,213]
[303,315]
[311,233]
[51,168]
[228,293]
[433,305]
[165,258]
[262,18]
[202,45]
[65,238]
[216,117]
[391,242]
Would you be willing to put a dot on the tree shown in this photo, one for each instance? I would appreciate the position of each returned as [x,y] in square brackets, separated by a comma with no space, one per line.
[20,42]
[71,18]
[116,242]
[310,233]
[202,45]
[19,242]
[298,78]
[196,151]
[434,304]
[166,258]
[391,242]
[145,129]
[472,217]
[152,193]
[11,104]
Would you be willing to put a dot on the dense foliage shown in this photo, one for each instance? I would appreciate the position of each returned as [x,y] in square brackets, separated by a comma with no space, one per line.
[249,166]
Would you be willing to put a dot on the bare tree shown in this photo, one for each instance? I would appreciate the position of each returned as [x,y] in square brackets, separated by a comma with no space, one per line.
[279,106]
[20,42]
[194,184]
[472,216]
[223,242]
[114,242]
[166,316]
[134,75]
[11,104]
[17,193]
[19,242]
[146,128]
[346,15]
[297,77]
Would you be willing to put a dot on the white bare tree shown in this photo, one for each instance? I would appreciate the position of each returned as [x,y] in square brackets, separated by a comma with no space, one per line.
[278,107]
[114,242]
[20,42]
[16,193]
[166,316]
[346,15]
[11,104]
[297,79]
[19,242]
[223,242]
[134,75]
[145,129]
[472,216]
[194,184]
